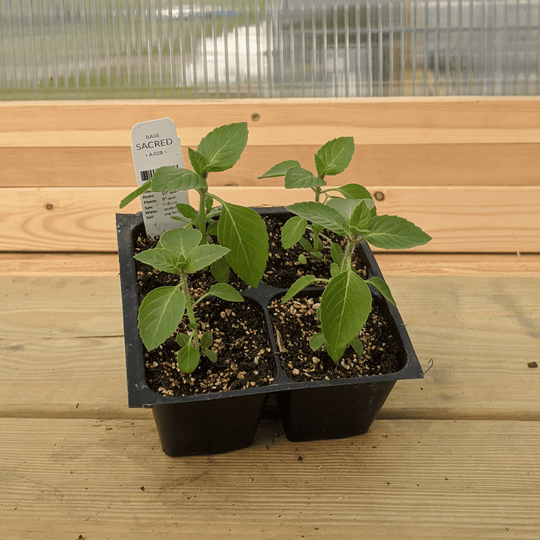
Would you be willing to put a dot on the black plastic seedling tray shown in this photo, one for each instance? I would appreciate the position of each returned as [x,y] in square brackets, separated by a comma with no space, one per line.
[220,422]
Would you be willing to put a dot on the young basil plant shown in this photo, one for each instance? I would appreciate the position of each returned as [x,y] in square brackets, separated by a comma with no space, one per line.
[239,229]
[346,301]
[331,159]
[180,251]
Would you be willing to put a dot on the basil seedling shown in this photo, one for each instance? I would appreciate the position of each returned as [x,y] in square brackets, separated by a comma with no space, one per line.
[180,252]
[240,229]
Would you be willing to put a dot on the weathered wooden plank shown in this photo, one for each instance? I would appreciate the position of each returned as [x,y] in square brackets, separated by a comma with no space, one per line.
[456,164]
[370,121]
[67,479]
[474,219]
[62,345]
[392,264]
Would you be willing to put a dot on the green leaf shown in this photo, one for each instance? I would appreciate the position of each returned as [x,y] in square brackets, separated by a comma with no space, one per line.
[302,259]
[225,292]
[336,252]
[345,307]
[393,232]
[335,352]
[299,285]
[358,347]
[244,232]
[382,287]
[292,231]
[211,355]
[186,210]
[173,179]
[360,218]
[321,214]
[198,161]
[223,146]
[207,340]
[335,269]
[160,314]
[134,194]
[180,241]
[344,206]
[334,157]
[188,359]
[220,270]
[203,256]
[280,169]
[352,191]
[306,244]
[211,229]
[296,177]
[316,341]
[182,339]
[160,259]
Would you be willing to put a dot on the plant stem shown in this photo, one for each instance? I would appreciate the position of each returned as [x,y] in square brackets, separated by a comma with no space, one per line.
[347,255]
[189,309]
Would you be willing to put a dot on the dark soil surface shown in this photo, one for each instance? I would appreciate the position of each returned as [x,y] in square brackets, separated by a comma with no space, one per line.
[240,335]
[295,322]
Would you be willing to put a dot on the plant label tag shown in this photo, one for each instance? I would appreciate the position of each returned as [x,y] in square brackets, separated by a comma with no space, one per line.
[155,144]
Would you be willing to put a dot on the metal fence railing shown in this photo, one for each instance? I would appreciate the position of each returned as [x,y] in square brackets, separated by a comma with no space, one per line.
[79,49]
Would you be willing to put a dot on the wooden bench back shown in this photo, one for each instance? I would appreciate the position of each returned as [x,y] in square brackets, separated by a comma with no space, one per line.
[464,169]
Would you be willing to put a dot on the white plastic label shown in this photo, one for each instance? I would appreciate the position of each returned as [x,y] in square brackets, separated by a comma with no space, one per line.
[155,144]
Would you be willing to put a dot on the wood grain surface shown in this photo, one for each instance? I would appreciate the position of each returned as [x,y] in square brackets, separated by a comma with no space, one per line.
[466,220]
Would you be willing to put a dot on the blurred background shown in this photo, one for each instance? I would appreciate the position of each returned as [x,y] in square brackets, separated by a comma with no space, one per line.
[109,49]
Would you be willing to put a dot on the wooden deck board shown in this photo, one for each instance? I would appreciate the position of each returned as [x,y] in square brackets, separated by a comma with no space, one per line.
[470,220]
[412,479]
[61,335]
